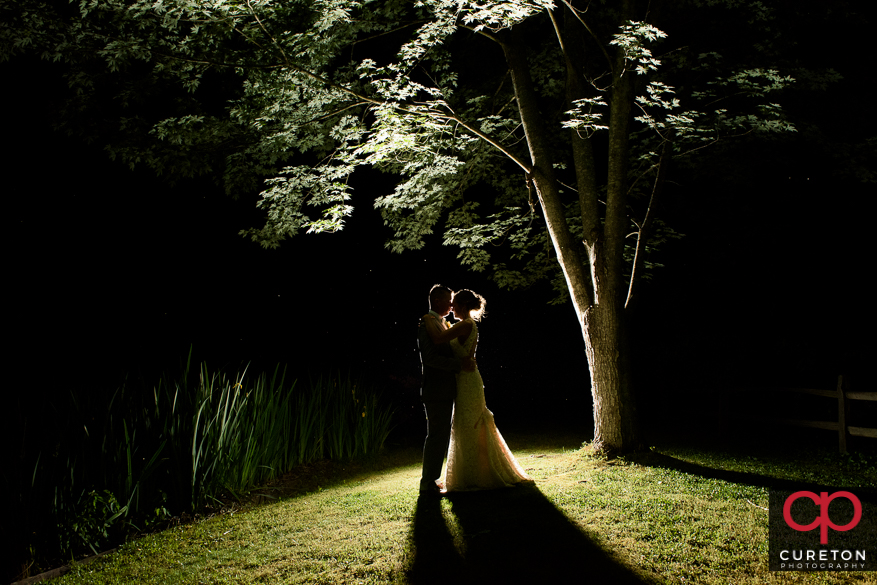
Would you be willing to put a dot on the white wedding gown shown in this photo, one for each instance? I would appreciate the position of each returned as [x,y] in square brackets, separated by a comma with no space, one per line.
[478,457]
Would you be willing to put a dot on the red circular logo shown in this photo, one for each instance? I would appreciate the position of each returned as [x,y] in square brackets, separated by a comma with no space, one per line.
[823,521]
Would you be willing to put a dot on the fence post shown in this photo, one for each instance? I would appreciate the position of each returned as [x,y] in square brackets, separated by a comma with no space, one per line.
[841,416]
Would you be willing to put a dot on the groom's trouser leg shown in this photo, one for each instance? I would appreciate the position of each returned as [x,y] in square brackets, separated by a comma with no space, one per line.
[438,435]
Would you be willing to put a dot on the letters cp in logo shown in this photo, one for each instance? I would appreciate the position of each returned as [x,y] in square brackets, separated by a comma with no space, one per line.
[823,521]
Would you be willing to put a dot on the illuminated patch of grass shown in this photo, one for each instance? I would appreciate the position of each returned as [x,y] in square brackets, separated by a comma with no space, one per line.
[669,516]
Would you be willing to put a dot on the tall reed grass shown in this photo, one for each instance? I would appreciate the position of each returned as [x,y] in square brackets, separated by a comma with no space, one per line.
[130,462]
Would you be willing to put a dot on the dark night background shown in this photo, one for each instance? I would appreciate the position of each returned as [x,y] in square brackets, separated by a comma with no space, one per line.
[112,272]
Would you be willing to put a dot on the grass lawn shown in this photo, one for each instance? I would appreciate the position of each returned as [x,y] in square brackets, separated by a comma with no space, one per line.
[673,515]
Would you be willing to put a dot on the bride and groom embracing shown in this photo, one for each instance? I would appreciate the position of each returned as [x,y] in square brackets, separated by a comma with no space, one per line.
[458,421]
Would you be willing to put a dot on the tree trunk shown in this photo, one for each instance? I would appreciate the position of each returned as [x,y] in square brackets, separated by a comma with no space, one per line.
[616,423]
[616,427]
[599,314]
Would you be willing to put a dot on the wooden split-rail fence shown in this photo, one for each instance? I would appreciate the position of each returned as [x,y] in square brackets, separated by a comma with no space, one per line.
[843,409]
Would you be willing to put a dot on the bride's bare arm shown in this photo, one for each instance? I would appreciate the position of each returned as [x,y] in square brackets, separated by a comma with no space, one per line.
[460,329]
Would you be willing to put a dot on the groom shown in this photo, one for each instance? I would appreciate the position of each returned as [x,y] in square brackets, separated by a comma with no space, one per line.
[439,389]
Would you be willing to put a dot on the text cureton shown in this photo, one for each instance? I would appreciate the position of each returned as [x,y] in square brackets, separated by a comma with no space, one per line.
[822,555]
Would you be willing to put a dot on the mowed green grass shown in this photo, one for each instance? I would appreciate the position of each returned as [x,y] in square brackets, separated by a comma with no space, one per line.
[673,515]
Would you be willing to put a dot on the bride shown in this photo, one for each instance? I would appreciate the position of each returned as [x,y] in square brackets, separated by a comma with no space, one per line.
[478,457]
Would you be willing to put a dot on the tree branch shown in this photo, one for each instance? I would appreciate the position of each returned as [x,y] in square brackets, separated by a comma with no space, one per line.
[584,24]
[645,229]
[582,150]
[483,33]
[557,32]
[615,225]
[543,176]
[527,168]
[265,30]
[384,33]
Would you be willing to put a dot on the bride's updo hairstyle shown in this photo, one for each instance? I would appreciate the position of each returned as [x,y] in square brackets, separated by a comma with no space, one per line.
[473,301]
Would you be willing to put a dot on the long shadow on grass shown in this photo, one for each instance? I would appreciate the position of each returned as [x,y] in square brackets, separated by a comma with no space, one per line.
[653,459]
[513,535]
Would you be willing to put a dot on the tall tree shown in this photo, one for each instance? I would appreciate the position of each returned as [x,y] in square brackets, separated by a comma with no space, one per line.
[485,111]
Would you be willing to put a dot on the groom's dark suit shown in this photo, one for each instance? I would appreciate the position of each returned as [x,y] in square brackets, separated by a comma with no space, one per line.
[438,392]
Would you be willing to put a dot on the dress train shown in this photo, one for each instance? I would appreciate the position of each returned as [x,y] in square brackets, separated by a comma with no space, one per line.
[478,457]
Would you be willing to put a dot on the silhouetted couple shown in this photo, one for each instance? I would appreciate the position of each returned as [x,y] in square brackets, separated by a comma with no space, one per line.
[458,421]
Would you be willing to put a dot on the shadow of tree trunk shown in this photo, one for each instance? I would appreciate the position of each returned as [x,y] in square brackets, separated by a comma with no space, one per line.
[513,535]
[659,460]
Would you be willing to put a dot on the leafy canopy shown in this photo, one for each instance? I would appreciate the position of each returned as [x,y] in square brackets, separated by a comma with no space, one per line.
[288,98]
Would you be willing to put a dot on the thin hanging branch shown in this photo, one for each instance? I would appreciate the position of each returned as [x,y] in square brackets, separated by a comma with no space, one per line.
[645,228]
[557,32]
